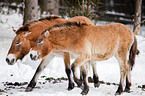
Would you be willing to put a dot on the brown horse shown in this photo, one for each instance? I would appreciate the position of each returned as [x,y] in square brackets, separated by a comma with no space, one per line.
[90,42]
[27,35]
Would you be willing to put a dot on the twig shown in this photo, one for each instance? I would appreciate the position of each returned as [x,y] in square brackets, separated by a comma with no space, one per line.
[140,23]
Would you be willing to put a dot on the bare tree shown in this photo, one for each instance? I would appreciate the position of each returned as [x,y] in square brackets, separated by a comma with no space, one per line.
[137,17]
[51,6]
[30,11]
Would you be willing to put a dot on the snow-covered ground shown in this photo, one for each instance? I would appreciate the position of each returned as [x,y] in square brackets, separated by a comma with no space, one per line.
[108,70]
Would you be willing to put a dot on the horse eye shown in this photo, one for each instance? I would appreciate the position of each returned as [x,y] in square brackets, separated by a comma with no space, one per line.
[39,41]
[17,43]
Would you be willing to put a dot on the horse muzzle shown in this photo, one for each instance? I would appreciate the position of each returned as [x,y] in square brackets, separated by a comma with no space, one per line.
[34,55]
[11,59]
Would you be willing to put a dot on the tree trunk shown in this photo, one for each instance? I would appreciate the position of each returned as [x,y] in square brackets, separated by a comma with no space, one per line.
[137,17]
[30,11]
[51,6]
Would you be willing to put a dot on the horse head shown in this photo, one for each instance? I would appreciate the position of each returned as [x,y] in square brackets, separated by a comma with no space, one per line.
[19,48]
[27,35]
[41,48]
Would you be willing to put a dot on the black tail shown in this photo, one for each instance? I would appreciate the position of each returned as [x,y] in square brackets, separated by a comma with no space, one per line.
[132,53]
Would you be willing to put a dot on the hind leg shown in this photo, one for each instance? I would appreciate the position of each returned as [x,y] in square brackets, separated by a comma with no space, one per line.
[68,70]
[84,71]
[77,63]
[95,75]
[86,66]
[122,78]
[40,68]
[128,79]
[122,59]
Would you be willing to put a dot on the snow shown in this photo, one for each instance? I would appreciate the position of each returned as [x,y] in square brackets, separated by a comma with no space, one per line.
[115,13]
[24,70]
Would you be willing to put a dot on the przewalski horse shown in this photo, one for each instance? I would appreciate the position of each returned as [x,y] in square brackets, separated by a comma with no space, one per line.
[90,42]
[24,41]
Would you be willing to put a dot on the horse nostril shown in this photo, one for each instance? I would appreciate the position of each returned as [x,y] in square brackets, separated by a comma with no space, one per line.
[34,58]
[12,61]
[31,56]
[7,60]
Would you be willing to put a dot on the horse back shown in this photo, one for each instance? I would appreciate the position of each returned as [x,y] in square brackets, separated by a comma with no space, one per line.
[81,19]
[102,42]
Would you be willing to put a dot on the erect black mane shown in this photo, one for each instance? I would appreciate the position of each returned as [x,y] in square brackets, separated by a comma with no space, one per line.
[48,18]
[26,26]
[65,25]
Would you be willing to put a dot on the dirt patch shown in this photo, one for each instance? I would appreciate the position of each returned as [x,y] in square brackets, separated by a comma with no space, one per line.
[142,87]
[21,85]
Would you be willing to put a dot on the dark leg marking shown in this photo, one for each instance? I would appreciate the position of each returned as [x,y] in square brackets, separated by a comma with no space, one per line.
[30,86]
[32,83]
[128,84]
[96,81]
[71,84]
[86,87]
[68,70]
[78,82]
[120,90]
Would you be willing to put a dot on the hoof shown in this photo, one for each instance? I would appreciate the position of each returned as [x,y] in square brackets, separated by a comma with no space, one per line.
[82,86]
[118,92]
[127,90]
[28,89]
[30,86]
[70,87]
[97,84]
[85,92]
[78,82]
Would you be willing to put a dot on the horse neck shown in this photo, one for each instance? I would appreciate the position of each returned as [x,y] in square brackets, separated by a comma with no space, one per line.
[65,38]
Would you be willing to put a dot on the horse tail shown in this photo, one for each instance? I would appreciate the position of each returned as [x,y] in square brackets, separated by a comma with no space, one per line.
[132,53]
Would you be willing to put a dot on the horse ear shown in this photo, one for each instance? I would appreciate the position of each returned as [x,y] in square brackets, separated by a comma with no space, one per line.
[14,29]
[46,33]
[26,34]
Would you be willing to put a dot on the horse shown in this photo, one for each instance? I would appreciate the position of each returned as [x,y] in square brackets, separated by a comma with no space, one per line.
[27,35]
[90,42]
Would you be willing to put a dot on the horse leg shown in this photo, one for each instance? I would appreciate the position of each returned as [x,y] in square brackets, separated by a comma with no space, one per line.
[122,77]
[122,59]
[128,79]
[40,68]
[81,76]
[74,66]
[84,71]
[68,70]
[95,75]
[87,64]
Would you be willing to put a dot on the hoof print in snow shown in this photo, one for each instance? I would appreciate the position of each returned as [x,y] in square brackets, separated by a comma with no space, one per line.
[108,83]
[58,80]
[15,84]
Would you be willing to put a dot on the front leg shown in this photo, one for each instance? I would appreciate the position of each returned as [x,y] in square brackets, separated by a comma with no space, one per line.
[40,68]
[84,71]
[78,62]
[68,70]
[95,75]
